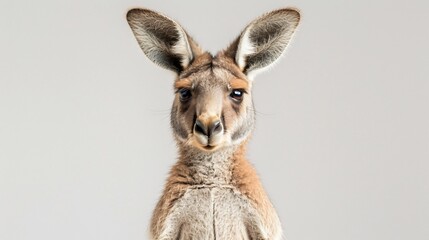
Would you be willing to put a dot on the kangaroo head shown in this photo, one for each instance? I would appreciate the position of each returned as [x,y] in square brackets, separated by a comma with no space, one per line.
[213,106]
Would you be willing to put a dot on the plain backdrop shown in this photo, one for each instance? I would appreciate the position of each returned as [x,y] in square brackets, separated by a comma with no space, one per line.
[342,137]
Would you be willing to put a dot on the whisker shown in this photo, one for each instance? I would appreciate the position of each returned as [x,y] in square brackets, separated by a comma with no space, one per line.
[165,113]
[259,113]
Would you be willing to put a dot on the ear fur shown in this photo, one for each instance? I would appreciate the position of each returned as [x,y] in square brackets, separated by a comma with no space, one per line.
[264,40]
[162,40]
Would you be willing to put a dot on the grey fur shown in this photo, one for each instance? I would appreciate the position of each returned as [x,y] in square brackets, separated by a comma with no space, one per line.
[212,208]
[161,39]
[264,40]
[212,192]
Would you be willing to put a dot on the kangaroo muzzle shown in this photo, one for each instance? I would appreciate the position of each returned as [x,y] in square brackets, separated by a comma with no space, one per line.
[208,131]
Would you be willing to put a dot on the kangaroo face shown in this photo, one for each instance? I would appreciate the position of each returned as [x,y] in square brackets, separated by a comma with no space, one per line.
[213,103]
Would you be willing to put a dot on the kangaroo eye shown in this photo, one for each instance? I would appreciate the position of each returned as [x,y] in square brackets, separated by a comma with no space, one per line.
[185,94]
[237,95]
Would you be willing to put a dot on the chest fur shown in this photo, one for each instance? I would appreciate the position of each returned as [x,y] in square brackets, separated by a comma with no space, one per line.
[214,213]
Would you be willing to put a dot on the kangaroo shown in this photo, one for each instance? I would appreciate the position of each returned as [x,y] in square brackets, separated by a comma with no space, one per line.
[212,191]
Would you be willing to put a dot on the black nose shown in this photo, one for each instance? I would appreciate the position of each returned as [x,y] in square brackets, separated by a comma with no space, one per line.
[212,129]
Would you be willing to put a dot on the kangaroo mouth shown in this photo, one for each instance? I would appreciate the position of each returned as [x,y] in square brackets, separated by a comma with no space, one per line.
[209,147]
[207,144]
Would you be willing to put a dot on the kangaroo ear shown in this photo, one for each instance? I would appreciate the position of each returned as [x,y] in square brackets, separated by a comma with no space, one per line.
[162,40]
[264,40]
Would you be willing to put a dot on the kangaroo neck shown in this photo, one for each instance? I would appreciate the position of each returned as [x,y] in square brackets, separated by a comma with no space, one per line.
[210,168]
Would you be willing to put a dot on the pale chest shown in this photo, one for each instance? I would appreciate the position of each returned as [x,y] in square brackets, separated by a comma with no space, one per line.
[214,213]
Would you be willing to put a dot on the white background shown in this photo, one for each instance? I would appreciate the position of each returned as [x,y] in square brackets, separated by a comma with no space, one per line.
[342,138]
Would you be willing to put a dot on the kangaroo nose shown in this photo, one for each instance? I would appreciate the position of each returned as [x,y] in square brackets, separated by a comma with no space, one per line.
[215,127]
[211,129]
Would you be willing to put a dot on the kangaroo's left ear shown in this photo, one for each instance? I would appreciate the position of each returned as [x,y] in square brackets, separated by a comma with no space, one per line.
[264,40]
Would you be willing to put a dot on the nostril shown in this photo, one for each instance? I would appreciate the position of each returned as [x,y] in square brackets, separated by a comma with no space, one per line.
[215,127]
[199,128]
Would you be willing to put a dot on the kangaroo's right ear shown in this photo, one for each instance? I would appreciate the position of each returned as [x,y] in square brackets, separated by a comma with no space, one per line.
[162,39]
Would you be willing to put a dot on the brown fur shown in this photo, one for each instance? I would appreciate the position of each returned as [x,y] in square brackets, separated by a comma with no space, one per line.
[182,83]
[213,192]
[237,83]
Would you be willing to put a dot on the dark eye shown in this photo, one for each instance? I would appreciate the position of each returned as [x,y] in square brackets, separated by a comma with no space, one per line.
[237,95]
[185,94]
